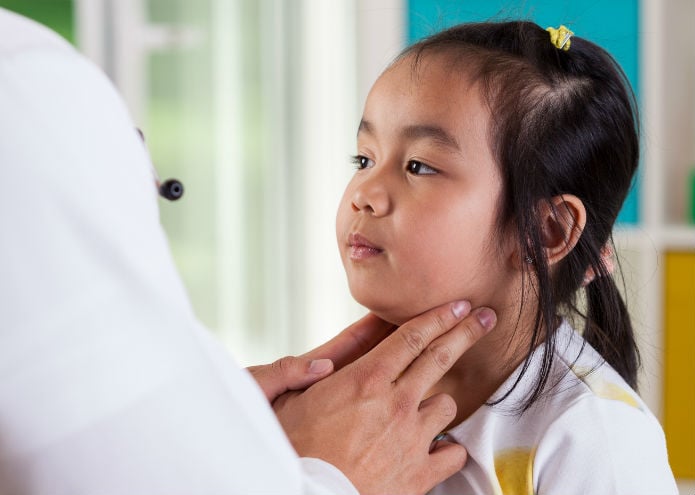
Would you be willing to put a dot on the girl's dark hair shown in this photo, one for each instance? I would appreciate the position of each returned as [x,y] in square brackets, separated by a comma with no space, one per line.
[562,122]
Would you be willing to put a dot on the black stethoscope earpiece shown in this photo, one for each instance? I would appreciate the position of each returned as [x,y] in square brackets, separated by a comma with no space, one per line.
[171,189]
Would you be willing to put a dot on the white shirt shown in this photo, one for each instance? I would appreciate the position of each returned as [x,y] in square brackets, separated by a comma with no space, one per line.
[108,383]
[591,434]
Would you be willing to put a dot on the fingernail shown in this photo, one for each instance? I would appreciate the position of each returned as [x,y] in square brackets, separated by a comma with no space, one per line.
[461,308]
[320,366]
[486,317]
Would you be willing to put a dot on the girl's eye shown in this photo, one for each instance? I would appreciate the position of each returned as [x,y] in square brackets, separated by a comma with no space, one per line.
[419,168]
[362,162]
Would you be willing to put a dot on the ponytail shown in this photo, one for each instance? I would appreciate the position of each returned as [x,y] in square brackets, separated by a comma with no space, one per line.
[609,330]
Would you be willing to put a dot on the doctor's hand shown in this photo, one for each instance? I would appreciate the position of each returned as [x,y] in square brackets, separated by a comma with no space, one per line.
[372,420]
[298,373]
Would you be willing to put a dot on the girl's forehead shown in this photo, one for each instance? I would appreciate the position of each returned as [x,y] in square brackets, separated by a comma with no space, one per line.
[429,89]
[431,76]
[428,66]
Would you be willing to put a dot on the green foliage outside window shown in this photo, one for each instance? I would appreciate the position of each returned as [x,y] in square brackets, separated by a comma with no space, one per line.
[56,14]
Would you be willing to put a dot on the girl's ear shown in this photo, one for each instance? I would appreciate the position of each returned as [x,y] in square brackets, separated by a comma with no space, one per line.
[562,221]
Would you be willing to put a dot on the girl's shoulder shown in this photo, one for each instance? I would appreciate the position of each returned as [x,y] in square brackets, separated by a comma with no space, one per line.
[589,433]
[581,374]
[598,432]
[603,442]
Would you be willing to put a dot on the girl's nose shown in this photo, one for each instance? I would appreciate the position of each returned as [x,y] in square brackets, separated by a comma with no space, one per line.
[371,196]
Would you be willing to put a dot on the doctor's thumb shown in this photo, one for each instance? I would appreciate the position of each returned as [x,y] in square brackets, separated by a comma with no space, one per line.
[290,373]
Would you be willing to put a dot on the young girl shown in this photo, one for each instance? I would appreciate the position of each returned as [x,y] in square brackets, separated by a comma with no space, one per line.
[492,162]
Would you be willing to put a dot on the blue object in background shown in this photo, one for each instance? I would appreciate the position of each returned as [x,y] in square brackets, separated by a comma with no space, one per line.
[612,25]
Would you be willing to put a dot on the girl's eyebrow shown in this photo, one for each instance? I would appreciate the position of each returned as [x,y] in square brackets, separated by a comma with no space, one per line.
[418,131]
[365,127]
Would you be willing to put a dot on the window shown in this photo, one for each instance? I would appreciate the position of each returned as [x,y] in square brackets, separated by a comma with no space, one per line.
[253,105]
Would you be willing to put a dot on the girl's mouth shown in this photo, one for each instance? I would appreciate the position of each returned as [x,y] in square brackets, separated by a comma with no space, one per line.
[361,248]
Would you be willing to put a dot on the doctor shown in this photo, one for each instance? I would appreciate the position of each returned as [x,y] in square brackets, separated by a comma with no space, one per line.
[109,384]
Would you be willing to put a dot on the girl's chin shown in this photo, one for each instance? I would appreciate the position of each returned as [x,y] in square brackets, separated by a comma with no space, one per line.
[399,316]
[394,316]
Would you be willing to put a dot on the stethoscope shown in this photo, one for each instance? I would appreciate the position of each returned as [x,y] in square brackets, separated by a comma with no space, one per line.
[171,189]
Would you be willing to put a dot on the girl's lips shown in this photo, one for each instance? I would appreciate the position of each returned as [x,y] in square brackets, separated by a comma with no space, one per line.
[360,248]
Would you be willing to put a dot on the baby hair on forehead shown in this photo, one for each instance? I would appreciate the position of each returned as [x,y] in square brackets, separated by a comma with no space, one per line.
[563,122]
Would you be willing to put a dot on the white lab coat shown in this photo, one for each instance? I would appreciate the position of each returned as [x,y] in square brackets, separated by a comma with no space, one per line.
[108,383]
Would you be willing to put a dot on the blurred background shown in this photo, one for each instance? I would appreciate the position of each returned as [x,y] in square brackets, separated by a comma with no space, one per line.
[254,106]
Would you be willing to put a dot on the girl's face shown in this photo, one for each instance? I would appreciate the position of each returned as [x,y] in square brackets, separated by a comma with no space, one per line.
[416,224]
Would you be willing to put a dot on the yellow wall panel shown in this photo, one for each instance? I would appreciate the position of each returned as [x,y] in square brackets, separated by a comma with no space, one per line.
[679,363]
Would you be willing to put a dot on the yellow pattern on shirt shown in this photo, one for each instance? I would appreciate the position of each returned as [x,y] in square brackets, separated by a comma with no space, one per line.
[605,389]
[514,469]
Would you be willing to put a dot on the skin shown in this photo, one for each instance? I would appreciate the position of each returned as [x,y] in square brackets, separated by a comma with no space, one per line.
[375,418]
[417,223]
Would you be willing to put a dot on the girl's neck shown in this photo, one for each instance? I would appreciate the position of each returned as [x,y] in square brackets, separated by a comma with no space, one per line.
[481,371]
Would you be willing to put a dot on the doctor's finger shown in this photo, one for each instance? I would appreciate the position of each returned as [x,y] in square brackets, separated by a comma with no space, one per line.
[289,373]
[436,414]
[445,460]
[440,355]
[396,353]
[353,342]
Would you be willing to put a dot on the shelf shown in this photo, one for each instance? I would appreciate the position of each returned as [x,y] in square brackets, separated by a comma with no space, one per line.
[668,237]
[678,237]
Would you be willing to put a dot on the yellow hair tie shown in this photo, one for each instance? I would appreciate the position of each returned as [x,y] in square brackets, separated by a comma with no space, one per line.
[560,37]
